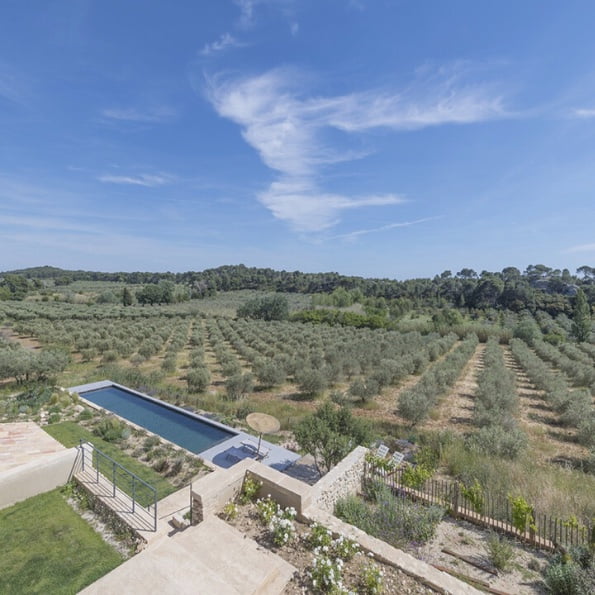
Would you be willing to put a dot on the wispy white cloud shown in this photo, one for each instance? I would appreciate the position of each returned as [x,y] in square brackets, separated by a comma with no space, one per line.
[224,42]
[155,114]
[584,112]
[285,126]
[361,232]
[582,248]
[148,180]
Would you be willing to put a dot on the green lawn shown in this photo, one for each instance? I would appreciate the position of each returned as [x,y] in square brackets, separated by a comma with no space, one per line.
[46,547]
[69,434]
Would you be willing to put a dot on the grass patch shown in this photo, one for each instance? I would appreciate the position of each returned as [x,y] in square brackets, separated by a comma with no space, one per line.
[69,434]
[46,547]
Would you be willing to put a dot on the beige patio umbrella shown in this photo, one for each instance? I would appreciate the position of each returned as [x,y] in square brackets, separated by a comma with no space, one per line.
[263,424]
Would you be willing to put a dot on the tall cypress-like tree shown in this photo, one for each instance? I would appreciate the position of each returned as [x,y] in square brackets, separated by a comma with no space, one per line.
[581,325]
[127,297]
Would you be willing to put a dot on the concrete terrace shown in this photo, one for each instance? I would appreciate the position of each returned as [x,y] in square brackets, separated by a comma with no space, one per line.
[25,442]
[224,454]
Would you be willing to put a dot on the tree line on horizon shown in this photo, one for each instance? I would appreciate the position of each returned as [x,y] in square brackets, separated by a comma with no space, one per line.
[537,288]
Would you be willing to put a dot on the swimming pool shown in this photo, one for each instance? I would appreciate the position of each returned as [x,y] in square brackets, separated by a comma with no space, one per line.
[188,430]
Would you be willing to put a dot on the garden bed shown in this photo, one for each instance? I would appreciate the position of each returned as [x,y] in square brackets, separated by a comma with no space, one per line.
[359,574]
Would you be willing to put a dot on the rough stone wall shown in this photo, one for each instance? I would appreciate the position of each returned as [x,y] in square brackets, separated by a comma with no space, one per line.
[111,519]
[342,480]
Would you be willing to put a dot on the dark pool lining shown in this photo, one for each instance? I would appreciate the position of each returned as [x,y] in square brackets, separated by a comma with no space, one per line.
[164,405]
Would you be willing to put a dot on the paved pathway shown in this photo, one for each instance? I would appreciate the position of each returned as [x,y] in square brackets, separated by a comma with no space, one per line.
[207,559]
[23,442]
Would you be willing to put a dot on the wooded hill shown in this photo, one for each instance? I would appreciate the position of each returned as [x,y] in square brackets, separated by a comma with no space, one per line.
[537,288]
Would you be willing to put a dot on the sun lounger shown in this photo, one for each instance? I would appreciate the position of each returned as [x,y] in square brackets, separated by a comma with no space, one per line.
[397,458]
[382,451]
[252,448]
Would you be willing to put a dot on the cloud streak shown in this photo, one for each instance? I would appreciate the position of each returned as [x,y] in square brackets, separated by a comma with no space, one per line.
[361,232]
[582,248]
[287,129]
[151,115]
[226,41]
[584,112]
[147,180]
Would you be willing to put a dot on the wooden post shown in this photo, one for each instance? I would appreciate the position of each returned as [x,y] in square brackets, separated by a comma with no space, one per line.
[455,503]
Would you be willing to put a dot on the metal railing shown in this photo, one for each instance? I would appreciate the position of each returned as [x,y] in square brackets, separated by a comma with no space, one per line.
[143,497]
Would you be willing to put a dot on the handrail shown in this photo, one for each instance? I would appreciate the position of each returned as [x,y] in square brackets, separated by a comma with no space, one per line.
[135,478]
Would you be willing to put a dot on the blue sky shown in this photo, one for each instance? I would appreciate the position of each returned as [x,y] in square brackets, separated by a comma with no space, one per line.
[368,137]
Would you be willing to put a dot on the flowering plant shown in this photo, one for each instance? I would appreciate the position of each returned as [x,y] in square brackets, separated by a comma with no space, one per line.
[282,527]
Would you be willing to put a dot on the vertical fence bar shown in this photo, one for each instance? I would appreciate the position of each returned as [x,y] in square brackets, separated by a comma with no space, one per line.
[114,478]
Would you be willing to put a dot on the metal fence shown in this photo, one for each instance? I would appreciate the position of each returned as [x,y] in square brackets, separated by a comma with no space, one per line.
[496,513]
[117,480]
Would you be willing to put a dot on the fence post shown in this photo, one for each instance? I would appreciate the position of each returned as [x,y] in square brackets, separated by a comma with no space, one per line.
[455,500]
[133,493]
[114,478]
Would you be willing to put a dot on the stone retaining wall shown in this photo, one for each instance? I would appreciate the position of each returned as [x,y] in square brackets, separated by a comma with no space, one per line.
[343,479]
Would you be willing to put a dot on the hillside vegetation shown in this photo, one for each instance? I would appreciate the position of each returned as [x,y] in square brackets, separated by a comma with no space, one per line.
[494,373]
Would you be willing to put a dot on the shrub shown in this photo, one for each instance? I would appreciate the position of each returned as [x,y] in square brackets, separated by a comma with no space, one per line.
[54,418]
[249,489]
[267,508]
[498,441]
[414,476]
[161,465]
[564,578]
[110,429]
[230,511]
[371,580]
[325,574]
[499,550]
[282,527]
[474,494]
[395,520]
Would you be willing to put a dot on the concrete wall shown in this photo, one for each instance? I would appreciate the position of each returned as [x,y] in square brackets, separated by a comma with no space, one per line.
[36,477]
[342,480]
[211,492]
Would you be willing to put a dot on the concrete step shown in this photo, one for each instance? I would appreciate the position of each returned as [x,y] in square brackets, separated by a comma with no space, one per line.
[209,558]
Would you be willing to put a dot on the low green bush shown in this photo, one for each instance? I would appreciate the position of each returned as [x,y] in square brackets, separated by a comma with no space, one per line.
[110,429]
[390,518]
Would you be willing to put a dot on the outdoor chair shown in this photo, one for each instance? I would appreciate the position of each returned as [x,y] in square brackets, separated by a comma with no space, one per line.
[252,448]
[382,451]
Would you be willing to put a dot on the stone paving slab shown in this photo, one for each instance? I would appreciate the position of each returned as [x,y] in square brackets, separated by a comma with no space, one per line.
[211,558]
[24,442]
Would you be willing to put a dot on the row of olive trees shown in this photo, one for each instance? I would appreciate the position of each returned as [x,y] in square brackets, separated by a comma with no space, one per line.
[496,407]
[580,373]
[24,365]
[574,407]
[415,403]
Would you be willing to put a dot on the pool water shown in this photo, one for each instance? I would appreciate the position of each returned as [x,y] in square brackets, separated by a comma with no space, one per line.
[182,428]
